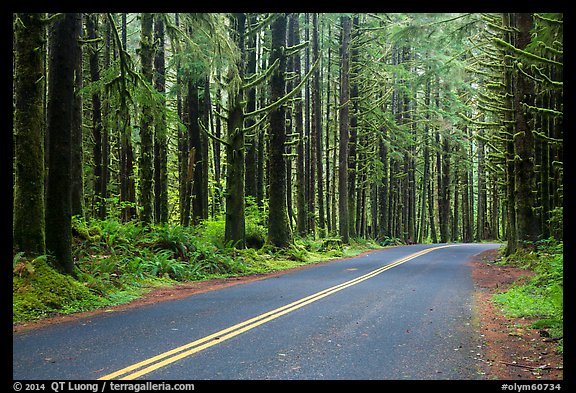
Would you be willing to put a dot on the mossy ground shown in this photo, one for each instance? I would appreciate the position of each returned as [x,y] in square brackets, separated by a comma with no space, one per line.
[116,263]
[39,290]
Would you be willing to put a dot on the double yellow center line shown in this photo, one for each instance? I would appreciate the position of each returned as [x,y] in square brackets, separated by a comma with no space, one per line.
[146,366]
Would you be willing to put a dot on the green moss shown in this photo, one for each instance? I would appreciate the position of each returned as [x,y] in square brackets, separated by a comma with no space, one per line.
[39,290]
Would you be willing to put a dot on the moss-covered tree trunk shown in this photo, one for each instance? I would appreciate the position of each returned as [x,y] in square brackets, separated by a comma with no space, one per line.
[160,130]
[317,123]
[28,214]
[198,193]
[279,232]
[127,183]
[77,149]
[527,224]
[235,226]
[62,44]
[94,69]
[298,125]
[252,140]
[509,124]
[353,130]
[146,141]
[344,127]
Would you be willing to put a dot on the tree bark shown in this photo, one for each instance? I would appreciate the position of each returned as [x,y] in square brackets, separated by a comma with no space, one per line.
[353,131]
[160,131]
[343,223]
[252,141]
[77,153]
[127,184]
[279,233]
[62,44]
[29,208]
[527,224]
[146,122]
[298,126]
[235,226]
[317,123]
[92,33]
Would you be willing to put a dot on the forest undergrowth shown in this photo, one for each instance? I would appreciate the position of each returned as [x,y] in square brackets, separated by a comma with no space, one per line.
[540,298]
[117,262]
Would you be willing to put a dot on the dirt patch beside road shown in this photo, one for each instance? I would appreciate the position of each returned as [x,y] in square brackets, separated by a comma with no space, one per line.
[511,349]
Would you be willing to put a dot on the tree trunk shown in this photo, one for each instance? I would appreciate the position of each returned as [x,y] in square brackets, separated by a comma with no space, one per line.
[217,203]
[235,226]
[252,140]
[160,131]
[279,233]
[127,184]
[482,199]
[146,122]
[235,229]
[466,219]
[509,168]
[309,167]
[301,205]
[92,33]
[77,173]
[383,194]
[443,168]
[186,160]
[343,223]
[527,224]
[106,121]
[353,133]
[317,123]
[426,169]
[28,215]
[195,144]
[327,136]
[62,44]
[444,197]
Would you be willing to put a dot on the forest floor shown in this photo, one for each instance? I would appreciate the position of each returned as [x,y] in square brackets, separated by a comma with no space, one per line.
[510,348]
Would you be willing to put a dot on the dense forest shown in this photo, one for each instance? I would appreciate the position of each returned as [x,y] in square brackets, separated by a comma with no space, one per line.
[402,128]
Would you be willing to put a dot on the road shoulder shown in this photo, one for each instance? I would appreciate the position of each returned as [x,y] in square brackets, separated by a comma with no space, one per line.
[510,349]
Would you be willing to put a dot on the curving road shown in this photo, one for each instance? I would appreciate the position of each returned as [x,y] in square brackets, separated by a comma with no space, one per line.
[399,313]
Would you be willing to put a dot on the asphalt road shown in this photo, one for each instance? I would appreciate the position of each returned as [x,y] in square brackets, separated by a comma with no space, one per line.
[399,313]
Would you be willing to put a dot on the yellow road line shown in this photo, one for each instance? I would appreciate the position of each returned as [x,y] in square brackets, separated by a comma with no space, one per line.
[183,351]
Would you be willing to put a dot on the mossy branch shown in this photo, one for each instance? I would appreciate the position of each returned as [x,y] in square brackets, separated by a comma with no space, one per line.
[293,49]
[203,128]
[255,125]
[262,77]
[479,123]
[282,100]
[543,111]
[547,138]
[525,54]
[261,25]
[556,84]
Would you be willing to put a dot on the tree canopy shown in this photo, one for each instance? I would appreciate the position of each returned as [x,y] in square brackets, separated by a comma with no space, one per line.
[392,126]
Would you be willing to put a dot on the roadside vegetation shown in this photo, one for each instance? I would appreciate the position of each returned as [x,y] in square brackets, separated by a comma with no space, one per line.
[116,262]
[540,298]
